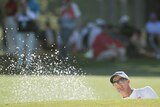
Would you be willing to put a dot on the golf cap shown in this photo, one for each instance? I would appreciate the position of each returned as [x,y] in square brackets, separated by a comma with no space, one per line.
[118,73]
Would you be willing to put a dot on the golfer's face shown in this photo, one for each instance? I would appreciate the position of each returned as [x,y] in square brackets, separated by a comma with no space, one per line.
[121,84]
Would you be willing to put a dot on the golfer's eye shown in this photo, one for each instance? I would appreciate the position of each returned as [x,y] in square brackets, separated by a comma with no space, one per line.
[114,84]
[120,81]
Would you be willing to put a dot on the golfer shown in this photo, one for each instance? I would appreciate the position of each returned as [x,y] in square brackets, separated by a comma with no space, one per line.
[121,83]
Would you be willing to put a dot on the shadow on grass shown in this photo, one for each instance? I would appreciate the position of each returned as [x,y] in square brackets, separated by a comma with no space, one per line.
[133,66]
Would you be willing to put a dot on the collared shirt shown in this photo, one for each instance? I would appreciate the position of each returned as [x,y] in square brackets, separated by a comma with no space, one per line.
[143,93]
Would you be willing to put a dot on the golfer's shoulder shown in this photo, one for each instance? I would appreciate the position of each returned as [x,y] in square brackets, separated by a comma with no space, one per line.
[147,89]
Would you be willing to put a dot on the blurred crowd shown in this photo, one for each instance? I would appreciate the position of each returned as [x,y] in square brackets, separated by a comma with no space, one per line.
[97,40]
[19,27]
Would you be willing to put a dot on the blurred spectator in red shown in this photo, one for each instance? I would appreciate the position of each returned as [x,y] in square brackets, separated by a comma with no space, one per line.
[104,47]
[92,30]
[10,11]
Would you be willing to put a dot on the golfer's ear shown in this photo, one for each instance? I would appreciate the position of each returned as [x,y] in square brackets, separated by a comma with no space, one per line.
[128,81]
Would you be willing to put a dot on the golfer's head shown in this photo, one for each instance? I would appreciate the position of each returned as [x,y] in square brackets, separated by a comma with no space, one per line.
[120,81]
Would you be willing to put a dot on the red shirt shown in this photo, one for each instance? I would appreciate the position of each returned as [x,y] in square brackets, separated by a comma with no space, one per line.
[11,8]
[69,11]
[102,43]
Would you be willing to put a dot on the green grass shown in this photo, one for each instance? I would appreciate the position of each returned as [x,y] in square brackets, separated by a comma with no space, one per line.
[90,103]
[142,72]
[106,95]
[140,66]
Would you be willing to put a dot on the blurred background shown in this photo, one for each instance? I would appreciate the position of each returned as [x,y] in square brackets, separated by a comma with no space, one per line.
[106,34]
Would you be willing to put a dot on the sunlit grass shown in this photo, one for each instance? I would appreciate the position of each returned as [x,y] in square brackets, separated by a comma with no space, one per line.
[105,94]
[90,103]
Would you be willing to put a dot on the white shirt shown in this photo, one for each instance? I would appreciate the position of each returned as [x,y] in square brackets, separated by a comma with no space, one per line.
[153,27]
[29,16]
[93,34]
[76,10]
[143,93]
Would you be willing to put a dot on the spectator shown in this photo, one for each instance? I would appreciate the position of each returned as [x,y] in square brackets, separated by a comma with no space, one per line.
[34,6]
[138,45]
[10,25]
[1,32]
[91,32]
[153,25]
[95,30]
[126,30]
[86,33]
[26,34]
[49,36]
[69,16]
[104,47]
[76,39]
[153,32]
